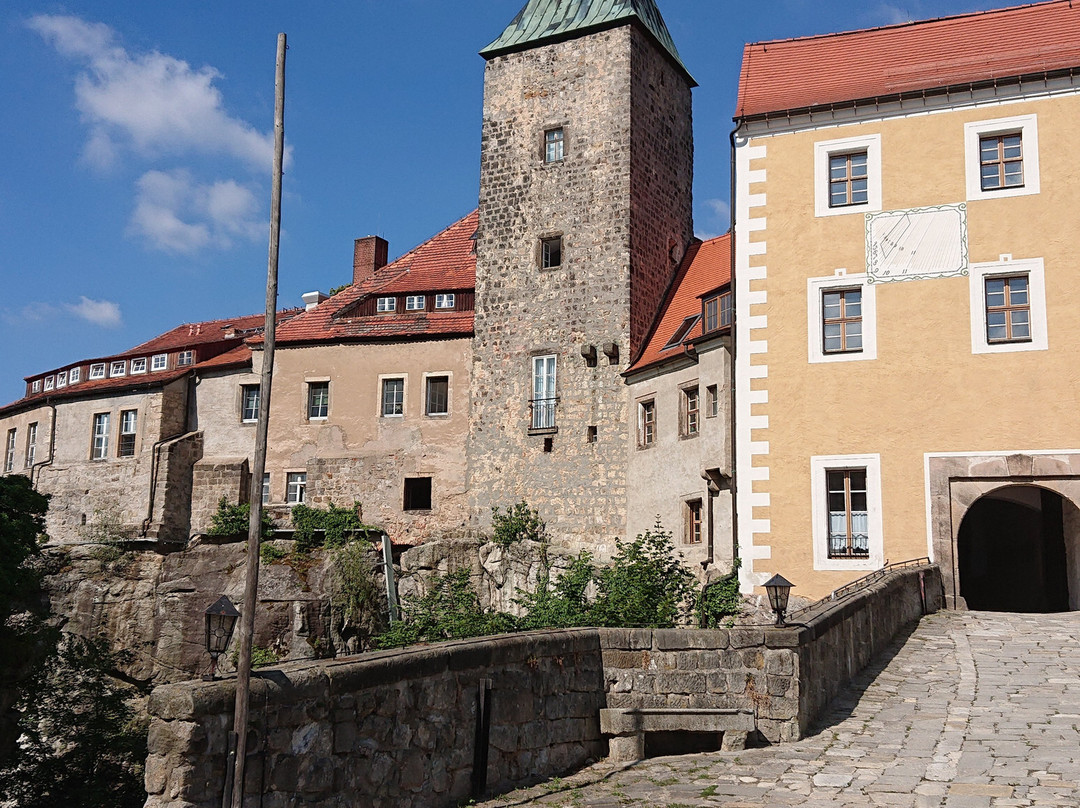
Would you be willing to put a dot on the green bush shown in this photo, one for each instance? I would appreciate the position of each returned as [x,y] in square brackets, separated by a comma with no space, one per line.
[234,520]
[518,523]
[269,553]
[355,594]
[336,524]
[720,601]
[562,604]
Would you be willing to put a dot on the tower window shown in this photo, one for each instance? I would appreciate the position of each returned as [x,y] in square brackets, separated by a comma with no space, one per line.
[554,140]
[551,252]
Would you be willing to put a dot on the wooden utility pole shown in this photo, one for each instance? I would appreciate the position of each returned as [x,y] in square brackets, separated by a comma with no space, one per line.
[251,584]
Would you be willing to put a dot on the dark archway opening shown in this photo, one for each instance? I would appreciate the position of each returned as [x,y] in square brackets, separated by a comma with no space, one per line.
[1011,552]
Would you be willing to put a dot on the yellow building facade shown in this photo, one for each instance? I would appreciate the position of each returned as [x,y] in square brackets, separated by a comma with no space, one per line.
[908,307]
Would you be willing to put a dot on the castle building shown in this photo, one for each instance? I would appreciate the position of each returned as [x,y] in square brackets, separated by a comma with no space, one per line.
[907,306]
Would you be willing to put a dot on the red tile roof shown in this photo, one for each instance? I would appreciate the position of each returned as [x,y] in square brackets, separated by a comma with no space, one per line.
[190,335]
[705,268]
[240,356]
[794,74]
[444,263]
[93,386]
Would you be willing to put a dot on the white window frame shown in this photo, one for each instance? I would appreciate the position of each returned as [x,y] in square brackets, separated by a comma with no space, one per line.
[35,386]
[554,148]
[814,317]
[31,444]
[642,405]
[99,438]
[825,149]
[821,464]
[159,362]
[1005,265]
[129,425]
[185,358]
[445,374]
[61,379]
[266,488]
[138,366]
[74,375]
[388,377]
[118,368]
[385,305]
[9,452]
[244,390]
[445,301]
[308,385]
[1024,125]
[97,370]
[296,487]
[548,385]
[415,302]
[50,383]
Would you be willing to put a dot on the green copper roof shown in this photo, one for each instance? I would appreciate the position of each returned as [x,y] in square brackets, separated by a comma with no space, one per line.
[543,21]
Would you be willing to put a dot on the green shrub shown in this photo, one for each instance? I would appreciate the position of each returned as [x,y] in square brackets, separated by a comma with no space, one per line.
[261,657]
[336,524]
[518,523]
[562,604]
[234,520]
[269,553]
[720,600]
[355,594]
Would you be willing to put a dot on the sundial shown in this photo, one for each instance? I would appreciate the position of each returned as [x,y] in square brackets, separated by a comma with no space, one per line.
[917,243]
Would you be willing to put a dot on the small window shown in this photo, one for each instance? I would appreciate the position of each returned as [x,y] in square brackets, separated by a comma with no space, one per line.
[693,522]
[249,403]
[841,315]
[138,366]
[185,358]
[118,368]
[543,400]
[848,179]
[296,487]
[682,331]
[646,423]
[414,303]
[74,375]
[590,434]
[554,140]
[691,412]
[159,362]
[128,422]
[444,301]
[551,252]
[712,401]
[31,444]
[1008,309]
[726,309]
[266,488]
[384,304]
[318,400]
[61,379]
[437,398]
[9,453]
[99,448]
[848,515]
[417,494]
[97,371]
[1001,161]
[393,397]
[35,386]
[50,382]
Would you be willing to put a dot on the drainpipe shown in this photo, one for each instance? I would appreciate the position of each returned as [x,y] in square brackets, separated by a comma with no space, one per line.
[734,352]
[52,447]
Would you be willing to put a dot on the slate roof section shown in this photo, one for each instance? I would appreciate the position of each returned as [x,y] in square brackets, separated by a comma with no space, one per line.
[542,22]
[705,268]
[444,263]
[836,69]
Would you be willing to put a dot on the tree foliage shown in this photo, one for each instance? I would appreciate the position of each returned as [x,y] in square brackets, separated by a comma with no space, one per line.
[235,520]
[336,524]
[516,524]
[22,528]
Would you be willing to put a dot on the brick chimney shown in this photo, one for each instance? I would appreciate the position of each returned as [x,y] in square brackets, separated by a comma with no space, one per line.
[369,256]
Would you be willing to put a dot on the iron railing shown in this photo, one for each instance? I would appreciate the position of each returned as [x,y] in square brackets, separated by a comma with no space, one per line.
[543,412]
[864,581]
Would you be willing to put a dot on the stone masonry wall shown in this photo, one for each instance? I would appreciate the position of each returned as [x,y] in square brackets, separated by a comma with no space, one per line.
[212,479]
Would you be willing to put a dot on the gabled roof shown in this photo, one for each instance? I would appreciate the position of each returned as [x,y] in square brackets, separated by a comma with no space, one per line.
[705,268]
[796,74]
[444,263]
[544,21]
[190,335]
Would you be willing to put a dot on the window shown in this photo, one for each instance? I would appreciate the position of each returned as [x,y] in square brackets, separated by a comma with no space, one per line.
[1008,309]
[185,358]
[249,403]
[74,375]
[646,423]
[543,389]
[318,400]
[118,368]
[97,371]
[437,398]
[266,488]
[1002,157]
[50,382]
[712,401]
[554,140]
[296,487]
[841,320]
[31,444]
[1008,306]
[841,312]
[681,332]
[138,366]
[417,494]
[414,303]
[848,525]
[128,421]
[846,514]
[61,379]
[386,304]
[444,301]
[393,397]
[35,386]
[551,252]
[691,412]
[693,522]
[9,453]
[99,449]
[590,434]
[718,312]
[847,176]
[159,361]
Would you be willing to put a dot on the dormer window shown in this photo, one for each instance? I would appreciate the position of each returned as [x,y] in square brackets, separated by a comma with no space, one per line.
[97,371]
[414,303]
[682,331]
[138,366]
[717,311]
[74,375]
[118,368]
[61,379]
[50,382]
[185,358]
[386,304]
[444,301]
[35,386]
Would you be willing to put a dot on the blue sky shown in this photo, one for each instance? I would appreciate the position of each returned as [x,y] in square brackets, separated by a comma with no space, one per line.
[135,178]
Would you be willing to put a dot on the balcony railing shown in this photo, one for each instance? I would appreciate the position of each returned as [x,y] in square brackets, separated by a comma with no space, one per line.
[542,414]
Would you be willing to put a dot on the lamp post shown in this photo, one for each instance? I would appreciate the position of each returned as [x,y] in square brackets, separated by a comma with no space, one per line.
[779,589]
[221,619]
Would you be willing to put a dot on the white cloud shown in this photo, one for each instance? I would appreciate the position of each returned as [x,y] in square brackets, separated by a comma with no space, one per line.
[720,208]
[887,14]
[104,313]
[149,102]
[175,213]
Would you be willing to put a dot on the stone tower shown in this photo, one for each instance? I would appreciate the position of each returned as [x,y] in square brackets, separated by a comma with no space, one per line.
[585,211]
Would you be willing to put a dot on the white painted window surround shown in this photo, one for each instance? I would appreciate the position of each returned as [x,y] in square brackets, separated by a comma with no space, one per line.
[1024,125]
[871,144]
[814,315]
[821,464]
[1005,265]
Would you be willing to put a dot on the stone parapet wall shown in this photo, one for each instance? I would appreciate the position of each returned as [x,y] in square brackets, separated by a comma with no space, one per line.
[212,479]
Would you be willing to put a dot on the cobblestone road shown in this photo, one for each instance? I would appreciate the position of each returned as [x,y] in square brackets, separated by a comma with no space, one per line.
[976,709]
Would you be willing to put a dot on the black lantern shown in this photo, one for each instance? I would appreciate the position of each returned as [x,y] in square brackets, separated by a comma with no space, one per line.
[220,622]
[779,589]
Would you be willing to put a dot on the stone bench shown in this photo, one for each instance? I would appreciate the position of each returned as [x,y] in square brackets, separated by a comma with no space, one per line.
[627,727]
